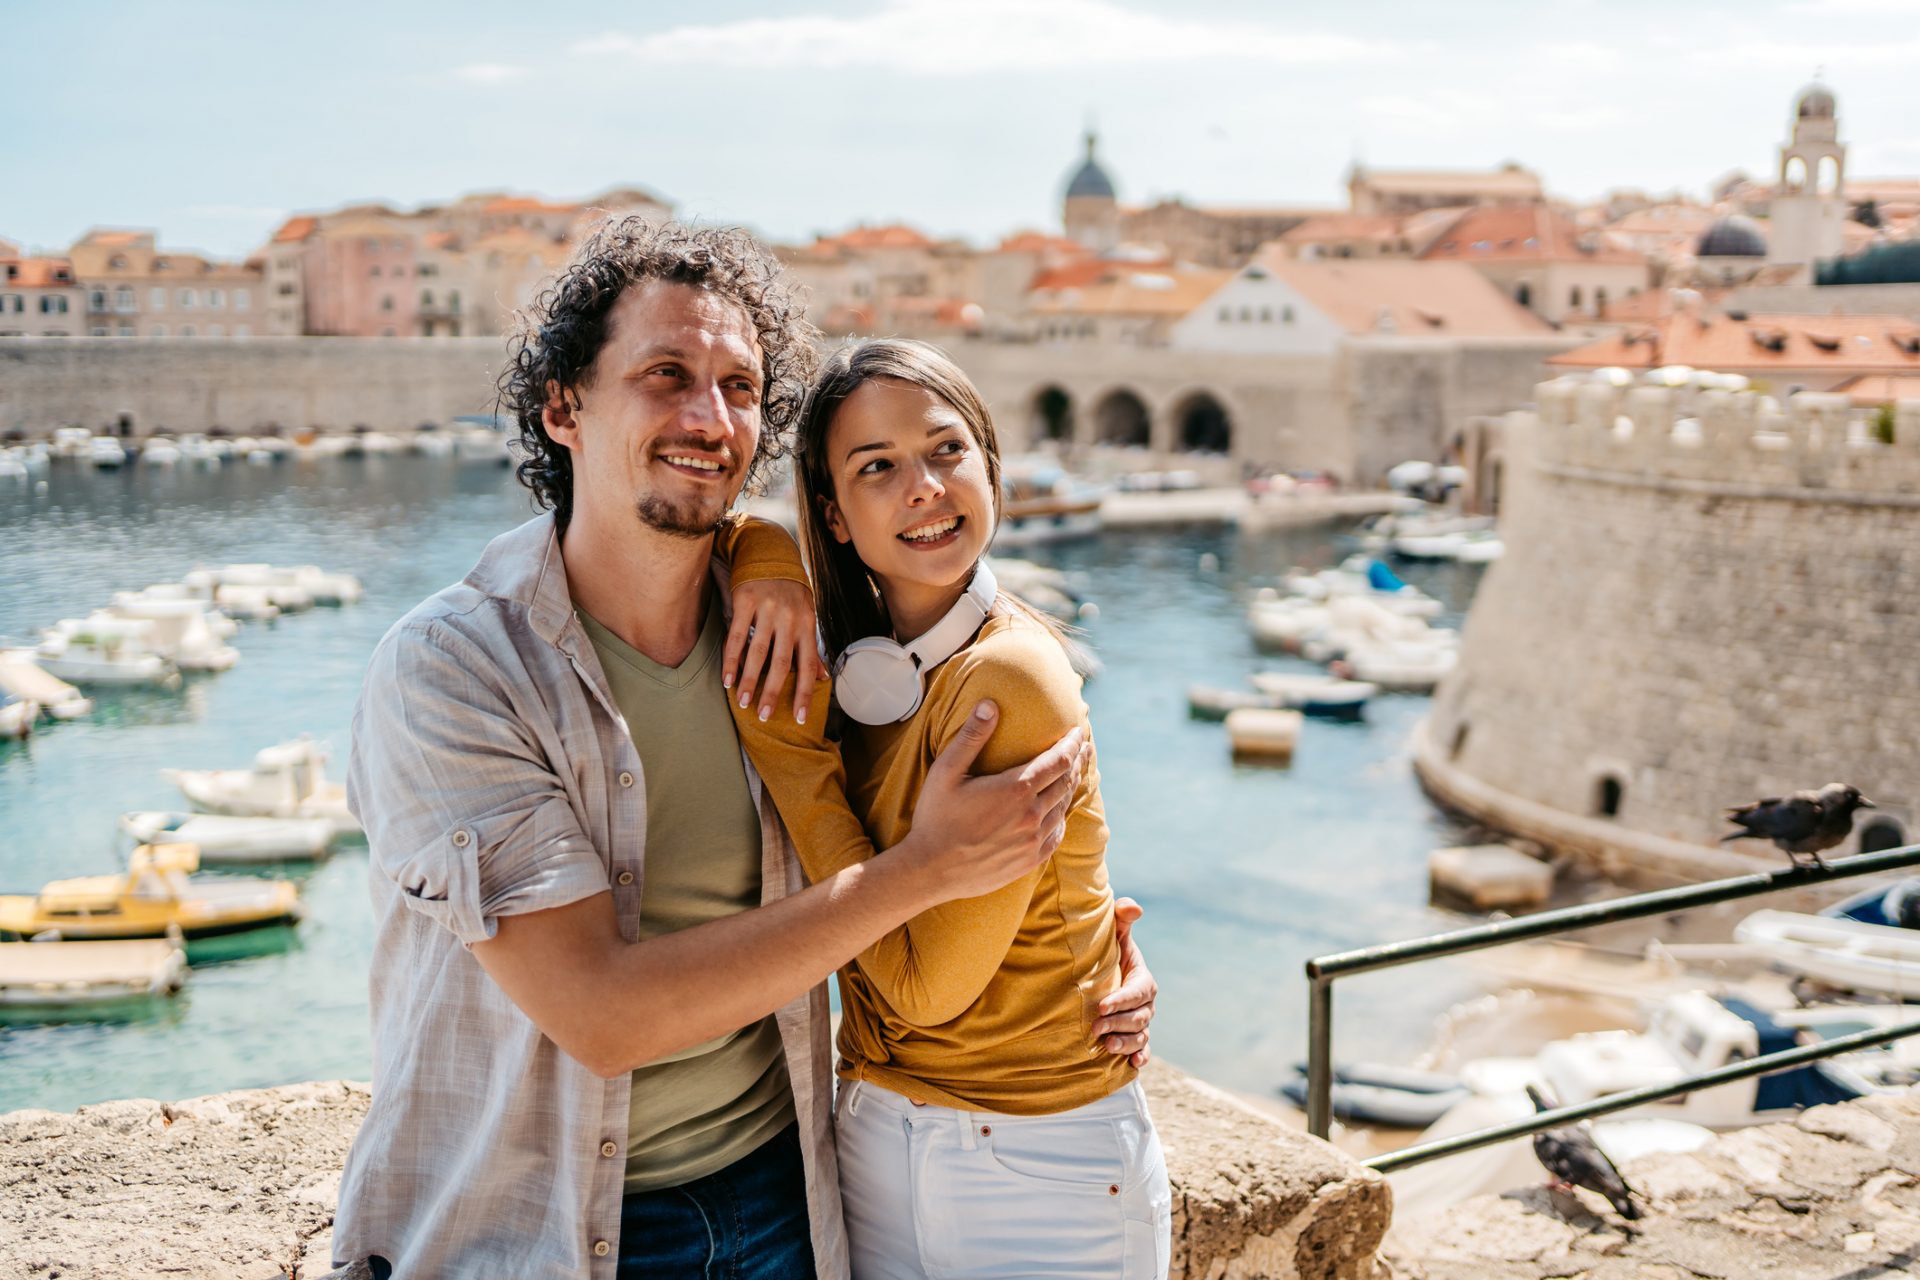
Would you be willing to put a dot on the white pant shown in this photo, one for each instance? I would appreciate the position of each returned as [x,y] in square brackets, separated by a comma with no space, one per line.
[967,1195]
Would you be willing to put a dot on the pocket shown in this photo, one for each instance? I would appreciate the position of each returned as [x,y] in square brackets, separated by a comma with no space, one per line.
[1028,1199]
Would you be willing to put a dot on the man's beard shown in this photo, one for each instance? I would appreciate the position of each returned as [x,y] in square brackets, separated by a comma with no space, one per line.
[690,519]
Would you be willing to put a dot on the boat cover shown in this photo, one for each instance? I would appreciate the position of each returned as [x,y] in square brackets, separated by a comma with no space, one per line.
[1811,1085]
[1381,578]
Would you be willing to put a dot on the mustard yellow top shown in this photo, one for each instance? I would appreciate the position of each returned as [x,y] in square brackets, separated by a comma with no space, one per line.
[985,1003]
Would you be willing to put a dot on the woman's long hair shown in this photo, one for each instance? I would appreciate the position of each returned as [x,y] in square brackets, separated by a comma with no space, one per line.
[848,602]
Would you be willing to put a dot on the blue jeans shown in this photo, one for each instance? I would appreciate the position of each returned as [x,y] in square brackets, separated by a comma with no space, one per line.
[746,1222]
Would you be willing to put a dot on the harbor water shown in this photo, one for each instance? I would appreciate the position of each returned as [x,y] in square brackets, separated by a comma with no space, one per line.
[1245,871]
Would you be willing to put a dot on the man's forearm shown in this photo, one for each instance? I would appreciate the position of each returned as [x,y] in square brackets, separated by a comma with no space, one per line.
[616,1005]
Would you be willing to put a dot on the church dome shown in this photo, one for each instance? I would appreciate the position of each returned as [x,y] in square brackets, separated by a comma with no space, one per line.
[1090,179]
[1816,102]
[1732,237]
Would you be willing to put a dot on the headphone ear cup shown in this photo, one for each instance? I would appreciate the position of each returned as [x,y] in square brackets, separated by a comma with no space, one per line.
[877,682]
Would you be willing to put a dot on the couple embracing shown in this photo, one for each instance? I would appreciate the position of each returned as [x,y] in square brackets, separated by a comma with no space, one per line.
[621,829]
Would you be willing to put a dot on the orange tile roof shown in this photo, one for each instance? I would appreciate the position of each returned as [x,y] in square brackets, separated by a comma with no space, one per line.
[1524,233]
[1344,226]
[1508,182]
[1880,388]
[1040,242]
[117,237]
[42,273]
[1134,290]
[296,229]
[1650,305]
[1423,299]
[525,204]
[895,236]
[1091,270]
[1757,343]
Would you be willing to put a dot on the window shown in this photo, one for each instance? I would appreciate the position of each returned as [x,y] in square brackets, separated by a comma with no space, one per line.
[1246,315]
[216,331]
[1599,300]
[426,299]
[9,302]
[157,299]
[374,270]
[97,300]
[186,331]
[161,264]
[53,304]
[126,331]
[99,331]
[158,331]
[189,299]
[1573,296]
[1266,315]
[216,299]
[386,302]
[242,299]
[286,291]
[123,299]
[1286,315]
[243,331]
[453,302]
[117,263]
[1226,315]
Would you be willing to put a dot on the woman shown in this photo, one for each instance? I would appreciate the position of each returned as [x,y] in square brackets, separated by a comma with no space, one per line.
[980,1130]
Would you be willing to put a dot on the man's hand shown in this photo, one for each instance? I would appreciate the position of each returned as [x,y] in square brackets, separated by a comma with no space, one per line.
[976,834]
[779,615]
[1126,1013]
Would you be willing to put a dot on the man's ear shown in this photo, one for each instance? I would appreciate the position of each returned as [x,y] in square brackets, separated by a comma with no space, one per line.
[836,523]
[560,416]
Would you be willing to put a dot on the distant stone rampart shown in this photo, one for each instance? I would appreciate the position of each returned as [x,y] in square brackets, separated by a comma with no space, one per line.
[1707,597]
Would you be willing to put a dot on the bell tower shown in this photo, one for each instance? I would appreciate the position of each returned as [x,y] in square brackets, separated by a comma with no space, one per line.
[1809,207]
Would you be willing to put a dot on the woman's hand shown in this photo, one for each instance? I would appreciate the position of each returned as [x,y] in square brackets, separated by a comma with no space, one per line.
[778,613]
[1126,1013]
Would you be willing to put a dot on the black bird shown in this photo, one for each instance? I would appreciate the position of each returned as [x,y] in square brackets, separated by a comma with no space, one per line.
[1808,822]
[1574,1159]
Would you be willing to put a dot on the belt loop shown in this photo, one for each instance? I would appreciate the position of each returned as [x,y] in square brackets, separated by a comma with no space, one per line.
[853,1097]
[967,1131]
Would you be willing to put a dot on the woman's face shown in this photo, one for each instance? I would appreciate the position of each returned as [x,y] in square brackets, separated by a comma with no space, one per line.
[910,492]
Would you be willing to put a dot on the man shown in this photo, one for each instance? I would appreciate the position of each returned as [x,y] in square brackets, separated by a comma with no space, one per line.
[571,1078]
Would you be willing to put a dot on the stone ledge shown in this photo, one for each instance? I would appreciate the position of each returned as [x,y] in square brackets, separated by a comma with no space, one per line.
[1834,1196]
[242,1185]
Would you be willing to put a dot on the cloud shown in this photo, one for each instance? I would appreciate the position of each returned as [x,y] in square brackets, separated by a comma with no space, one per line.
[937,37]
[488,73]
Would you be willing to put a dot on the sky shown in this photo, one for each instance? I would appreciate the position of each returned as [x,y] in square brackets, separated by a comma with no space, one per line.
[210,122]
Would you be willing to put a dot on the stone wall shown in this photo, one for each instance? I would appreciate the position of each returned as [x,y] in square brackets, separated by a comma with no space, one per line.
[242,1186]
[1703,601]
[246,387]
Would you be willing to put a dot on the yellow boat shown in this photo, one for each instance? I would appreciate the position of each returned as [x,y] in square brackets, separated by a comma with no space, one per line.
[156,893]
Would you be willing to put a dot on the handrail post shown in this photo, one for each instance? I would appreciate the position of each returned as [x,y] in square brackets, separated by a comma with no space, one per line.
[1319,1053]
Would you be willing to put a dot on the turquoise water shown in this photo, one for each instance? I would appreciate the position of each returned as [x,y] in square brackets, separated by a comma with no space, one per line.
[1245,871]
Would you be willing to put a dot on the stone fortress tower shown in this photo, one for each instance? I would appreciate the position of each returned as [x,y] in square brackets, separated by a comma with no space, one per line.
[1092,213]
[1706,599]
[1806,215]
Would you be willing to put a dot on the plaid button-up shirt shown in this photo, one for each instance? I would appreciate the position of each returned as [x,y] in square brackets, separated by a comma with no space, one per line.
[495,776]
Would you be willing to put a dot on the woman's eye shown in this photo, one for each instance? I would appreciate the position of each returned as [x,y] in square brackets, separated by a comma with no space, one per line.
[875,467]
[951,447]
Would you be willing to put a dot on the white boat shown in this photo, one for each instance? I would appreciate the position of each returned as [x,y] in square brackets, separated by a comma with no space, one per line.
[159,453]
[24,678]
[106,453]
[1401,666]
[40,978]
[1480,547]
[1205,702]
[321,586]
[12,465]
[1364,577]
[74,444]
[1285,623]
[1045,588]
[1259,734]
[17,715]
[1041,502]
[183,631]
[1316,695]
[224,838]
[248,590]
[200,451]
[104,650]
[286,781]
[1876,958]
[481,445]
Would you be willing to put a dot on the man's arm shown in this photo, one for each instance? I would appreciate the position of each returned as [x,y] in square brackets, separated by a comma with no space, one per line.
[616,1005]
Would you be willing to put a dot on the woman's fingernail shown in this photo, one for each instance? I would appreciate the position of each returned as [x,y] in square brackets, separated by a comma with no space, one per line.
[726,681]
[765,712]
[743,697]
[799,717]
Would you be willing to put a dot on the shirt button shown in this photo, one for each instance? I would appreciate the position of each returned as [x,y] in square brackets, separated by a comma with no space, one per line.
[461,839]
[608,1148]
[626,779]
[625,877]
[601,1248]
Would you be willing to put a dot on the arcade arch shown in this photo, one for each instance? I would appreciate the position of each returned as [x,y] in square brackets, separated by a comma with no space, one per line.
[1201,424]
[1052,415]
[1121,418]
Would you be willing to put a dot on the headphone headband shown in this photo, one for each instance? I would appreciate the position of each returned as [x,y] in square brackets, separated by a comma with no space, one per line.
[880,681]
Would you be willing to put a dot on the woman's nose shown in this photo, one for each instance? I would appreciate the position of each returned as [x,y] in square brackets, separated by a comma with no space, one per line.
[926,486]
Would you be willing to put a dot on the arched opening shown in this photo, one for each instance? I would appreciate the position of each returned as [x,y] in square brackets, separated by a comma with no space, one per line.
[1121,418]
[1522,294]
[1053,415]
[1881,832]
[1829,184]
[1608,793]
[1794,175]
[1202,425]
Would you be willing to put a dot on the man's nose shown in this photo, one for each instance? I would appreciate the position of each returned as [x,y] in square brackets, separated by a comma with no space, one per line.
[706,412]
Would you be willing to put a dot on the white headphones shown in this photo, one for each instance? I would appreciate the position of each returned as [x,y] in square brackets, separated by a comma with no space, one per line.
[880,681]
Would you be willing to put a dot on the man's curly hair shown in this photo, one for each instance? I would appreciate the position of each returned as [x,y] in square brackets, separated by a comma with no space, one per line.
[556,341]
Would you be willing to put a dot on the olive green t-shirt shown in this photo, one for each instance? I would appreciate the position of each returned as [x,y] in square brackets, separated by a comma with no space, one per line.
[699,1110]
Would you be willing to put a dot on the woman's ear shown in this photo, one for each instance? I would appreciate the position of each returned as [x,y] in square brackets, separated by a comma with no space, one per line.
[836,523]
[560,418]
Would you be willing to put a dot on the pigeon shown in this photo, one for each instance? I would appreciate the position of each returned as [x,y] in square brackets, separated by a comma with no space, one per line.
[1575,1159]
[1806,822]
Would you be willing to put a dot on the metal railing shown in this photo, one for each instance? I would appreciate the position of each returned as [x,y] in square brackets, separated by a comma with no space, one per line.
[1323,971]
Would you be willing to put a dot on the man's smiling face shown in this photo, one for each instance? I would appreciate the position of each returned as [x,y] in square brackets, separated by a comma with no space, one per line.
[667,422]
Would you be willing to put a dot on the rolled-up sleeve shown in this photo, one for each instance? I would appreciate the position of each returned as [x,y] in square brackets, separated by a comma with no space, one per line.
[462,808]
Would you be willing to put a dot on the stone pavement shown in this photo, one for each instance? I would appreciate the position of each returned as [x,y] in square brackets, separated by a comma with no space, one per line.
[1833,1196]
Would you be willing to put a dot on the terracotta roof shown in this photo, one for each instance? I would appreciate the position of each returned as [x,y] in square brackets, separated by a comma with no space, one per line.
[1091,270]
[296,229]
[525,204]
[1649,305]
[1665,219]
[1169,292]
[1506,182]
[1344,226]
[1039,242]
[1832,343]
[1525,233]
[1880,388]
[41,273]
[118,237]
[895,236]
[1419,299]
